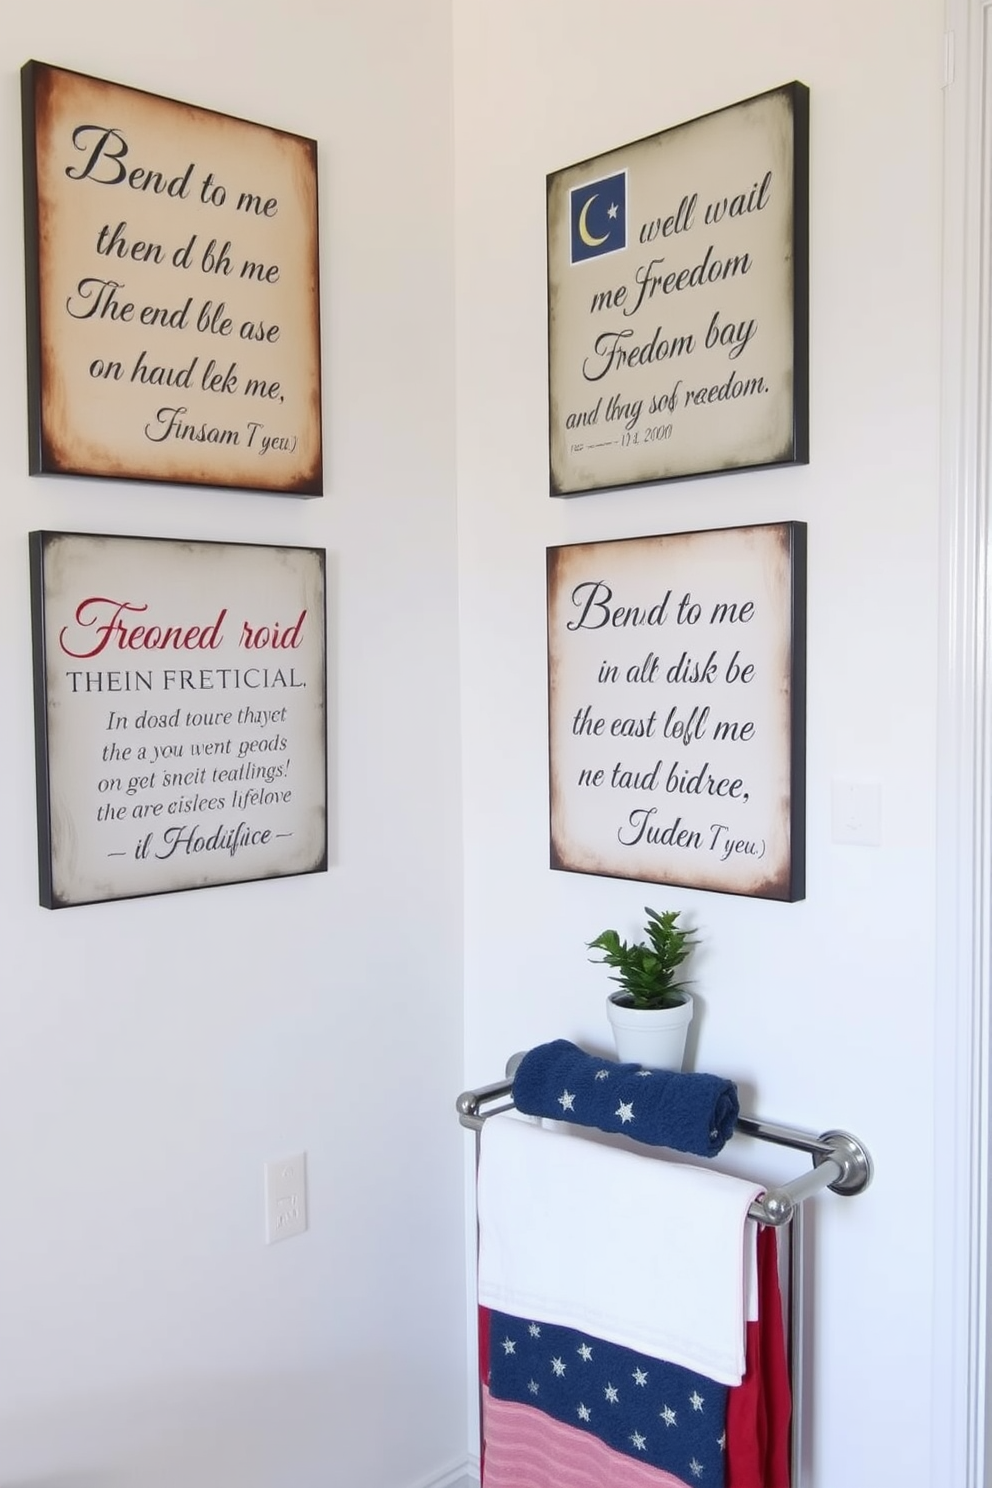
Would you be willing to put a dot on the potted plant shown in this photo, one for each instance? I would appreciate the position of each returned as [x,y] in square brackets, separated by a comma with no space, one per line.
[651,1012]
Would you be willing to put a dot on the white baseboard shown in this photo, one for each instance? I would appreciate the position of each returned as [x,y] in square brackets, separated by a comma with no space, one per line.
[464,1475]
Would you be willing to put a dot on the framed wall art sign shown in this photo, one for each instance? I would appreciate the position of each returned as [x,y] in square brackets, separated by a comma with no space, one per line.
[677,709]
[678,300]
[180,714]
[172,290]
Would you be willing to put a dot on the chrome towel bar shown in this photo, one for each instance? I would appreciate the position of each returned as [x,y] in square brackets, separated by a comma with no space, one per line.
[840,1162]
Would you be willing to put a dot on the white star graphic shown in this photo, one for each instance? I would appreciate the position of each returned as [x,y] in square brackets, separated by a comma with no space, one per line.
[721,1441]
[612,1394]
[584,1352]
[558,1365]
[509,1347]
[602,1074]
[640,1442]
[625,1111]
[612,210]
[584,1413]
[641,1073]
[696,1400]
[696,1468]
[668,1416]
[567,1100]
[533,1386]
[534,1330]
[639,1377]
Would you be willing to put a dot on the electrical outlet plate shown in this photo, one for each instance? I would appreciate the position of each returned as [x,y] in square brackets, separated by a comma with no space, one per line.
[285,1198]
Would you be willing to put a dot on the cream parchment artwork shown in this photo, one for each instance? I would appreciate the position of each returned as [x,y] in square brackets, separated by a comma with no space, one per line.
[677,709]
[180,714]
[172,290]
[678,300]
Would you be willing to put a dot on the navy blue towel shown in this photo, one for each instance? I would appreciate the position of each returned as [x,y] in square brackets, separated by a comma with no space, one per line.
[686,1112]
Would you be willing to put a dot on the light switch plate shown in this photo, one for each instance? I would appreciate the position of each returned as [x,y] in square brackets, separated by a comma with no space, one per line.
[285,1198]
[856,812]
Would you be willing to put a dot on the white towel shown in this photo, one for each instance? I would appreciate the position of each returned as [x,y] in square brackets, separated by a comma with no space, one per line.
[643,1252]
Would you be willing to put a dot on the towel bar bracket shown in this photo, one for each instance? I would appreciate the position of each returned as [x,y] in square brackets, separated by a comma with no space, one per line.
[833,1151]
[470,1102]
[857,1168]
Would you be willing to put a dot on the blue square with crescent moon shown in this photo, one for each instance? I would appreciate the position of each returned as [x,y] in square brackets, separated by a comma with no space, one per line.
[598,217]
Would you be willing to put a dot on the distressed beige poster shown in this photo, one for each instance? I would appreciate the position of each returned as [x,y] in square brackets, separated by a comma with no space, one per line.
[172,285]
[677,709]
[677,300]
[180,714]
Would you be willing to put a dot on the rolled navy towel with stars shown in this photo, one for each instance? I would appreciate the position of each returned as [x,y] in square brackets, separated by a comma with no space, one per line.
[687,1112]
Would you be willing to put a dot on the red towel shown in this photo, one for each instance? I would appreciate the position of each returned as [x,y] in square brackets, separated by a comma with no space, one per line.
[759,1408]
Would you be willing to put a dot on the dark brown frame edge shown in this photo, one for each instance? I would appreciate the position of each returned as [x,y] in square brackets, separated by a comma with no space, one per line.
[800,272]
[46,896]
[795,884]
[40,460]
[799,93]
[32,278]
[797,721]
[37,543]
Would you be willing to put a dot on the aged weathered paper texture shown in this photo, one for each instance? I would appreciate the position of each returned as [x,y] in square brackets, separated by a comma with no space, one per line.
[675,677]
[174,324]
[672,325]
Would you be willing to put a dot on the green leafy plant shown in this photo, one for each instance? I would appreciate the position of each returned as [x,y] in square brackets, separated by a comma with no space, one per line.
[645,970]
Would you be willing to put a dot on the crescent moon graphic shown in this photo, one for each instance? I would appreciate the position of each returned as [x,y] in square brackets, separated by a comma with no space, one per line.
[584,232]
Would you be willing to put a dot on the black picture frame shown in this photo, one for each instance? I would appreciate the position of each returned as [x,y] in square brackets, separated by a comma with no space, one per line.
[677,709]
[173,290]
[180,692]
[678,301]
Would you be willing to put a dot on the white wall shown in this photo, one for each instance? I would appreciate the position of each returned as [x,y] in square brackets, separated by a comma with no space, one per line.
[154,1053]
[822,1010]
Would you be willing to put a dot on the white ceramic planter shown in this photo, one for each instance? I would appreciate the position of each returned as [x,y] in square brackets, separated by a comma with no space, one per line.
[654,1037]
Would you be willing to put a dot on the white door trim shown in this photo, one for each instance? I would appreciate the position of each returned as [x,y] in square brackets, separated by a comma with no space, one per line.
[964,810]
